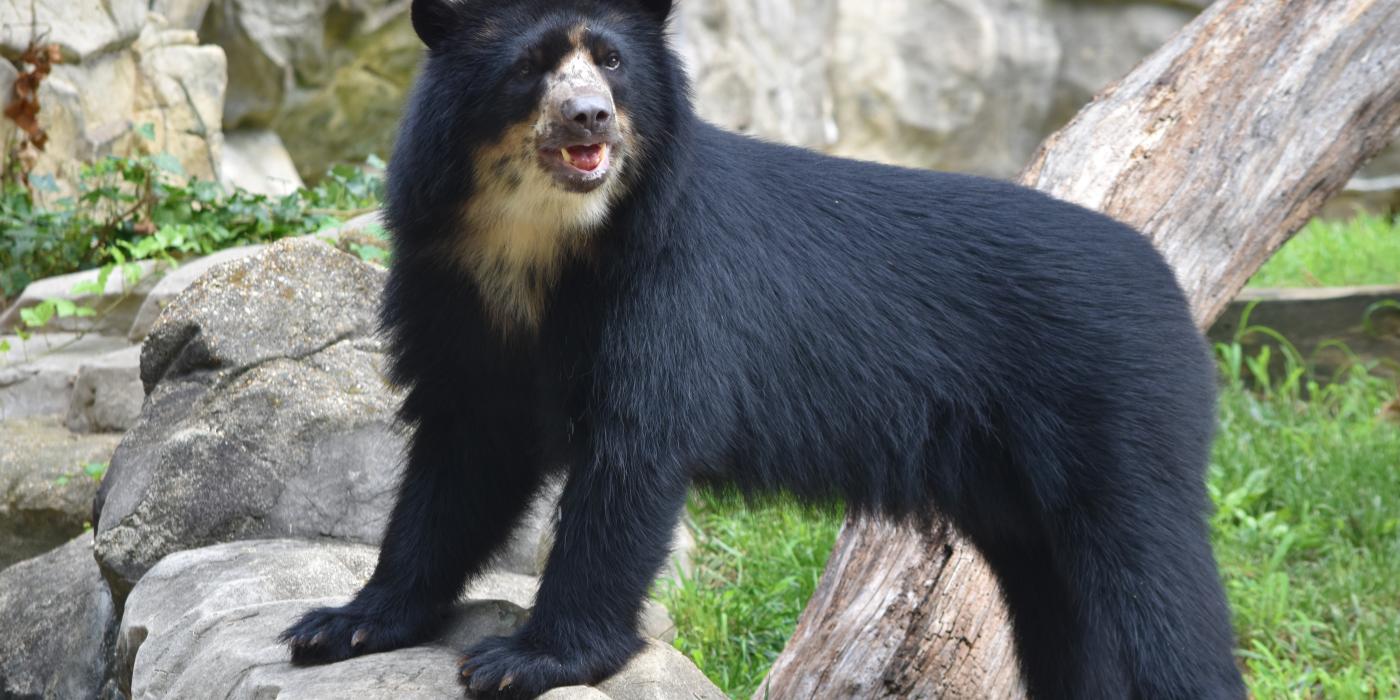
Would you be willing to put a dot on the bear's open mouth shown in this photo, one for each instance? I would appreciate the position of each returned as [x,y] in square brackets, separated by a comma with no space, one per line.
[585,158]
[579,167]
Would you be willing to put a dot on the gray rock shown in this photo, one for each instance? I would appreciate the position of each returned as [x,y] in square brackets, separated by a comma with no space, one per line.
[292,299]
[37,375]
[255,160]
[681,562]
[175,281]
[81,28]
[204,623]
[116,307]
[107,393]
[266,414]
[575,692]
[45,493]
[59,625]
[660,672]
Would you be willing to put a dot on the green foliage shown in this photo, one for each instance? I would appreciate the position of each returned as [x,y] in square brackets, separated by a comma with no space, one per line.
[92,470]
[1306,485]
[755,568]
[376,252]
[1305,478]
[127,209]
[1364,250]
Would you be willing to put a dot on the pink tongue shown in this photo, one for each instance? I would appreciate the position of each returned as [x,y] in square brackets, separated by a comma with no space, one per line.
[586,158]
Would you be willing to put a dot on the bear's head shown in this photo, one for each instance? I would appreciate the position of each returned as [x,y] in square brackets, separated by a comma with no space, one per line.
[544,91]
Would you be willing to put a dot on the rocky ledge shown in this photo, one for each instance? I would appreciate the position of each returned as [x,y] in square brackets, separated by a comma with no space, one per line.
[251,486]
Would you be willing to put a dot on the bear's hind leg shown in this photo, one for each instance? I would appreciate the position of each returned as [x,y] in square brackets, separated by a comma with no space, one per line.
[1148,600]
[1045,622]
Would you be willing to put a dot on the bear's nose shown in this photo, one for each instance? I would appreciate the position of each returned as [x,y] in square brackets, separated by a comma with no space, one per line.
[590,112]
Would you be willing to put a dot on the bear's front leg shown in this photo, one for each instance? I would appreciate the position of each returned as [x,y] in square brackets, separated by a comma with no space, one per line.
[614,534]
[462,493]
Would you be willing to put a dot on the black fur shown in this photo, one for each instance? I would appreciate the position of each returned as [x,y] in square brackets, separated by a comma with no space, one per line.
[914,343]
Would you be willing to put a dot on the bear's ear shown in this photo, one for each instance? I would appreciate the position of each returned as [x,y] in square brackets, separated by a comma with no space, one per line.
[434,20]
[660,10]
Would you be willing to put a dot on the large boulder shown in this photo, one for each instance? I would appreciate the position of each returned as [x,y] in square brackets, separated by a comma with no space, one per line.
[60,625]
[175,281]
[267,414]
[204,623]
[46,489]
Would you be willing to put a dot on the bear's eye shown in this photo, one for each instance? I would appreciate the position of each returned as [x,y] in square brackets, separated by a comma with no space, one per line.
[524,69]
[613,61]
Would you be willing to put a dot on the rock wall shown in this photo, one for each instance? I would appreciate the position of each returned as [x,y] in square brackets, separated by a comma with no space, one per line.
[120,69]
[966,85]
[958,84]
[970,85]
[329,76]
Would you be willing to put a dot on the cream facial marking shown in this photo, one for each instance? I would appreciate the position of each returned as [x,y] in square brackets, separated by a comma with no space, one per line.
[522,224]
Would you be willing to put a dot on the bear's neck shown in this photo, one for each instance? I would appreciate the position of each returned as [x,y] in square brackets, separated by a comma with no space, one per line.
[517,239]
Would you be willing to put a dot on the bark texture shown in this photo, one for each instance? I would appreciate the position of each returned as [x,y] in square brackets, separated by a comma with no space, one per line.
[1218,147]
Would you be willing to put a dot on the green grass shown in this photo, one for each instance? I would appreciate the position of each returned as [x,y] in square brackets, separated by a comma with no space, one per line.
[755,568]
[1307,531]
[1364,250]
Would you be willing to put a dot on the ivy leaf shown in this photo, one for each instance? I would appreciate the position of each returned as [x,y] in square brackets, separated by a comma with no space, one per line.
[86,287]
[65,307]
[38,315]
[168,163]
[370,253]
[95,470]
